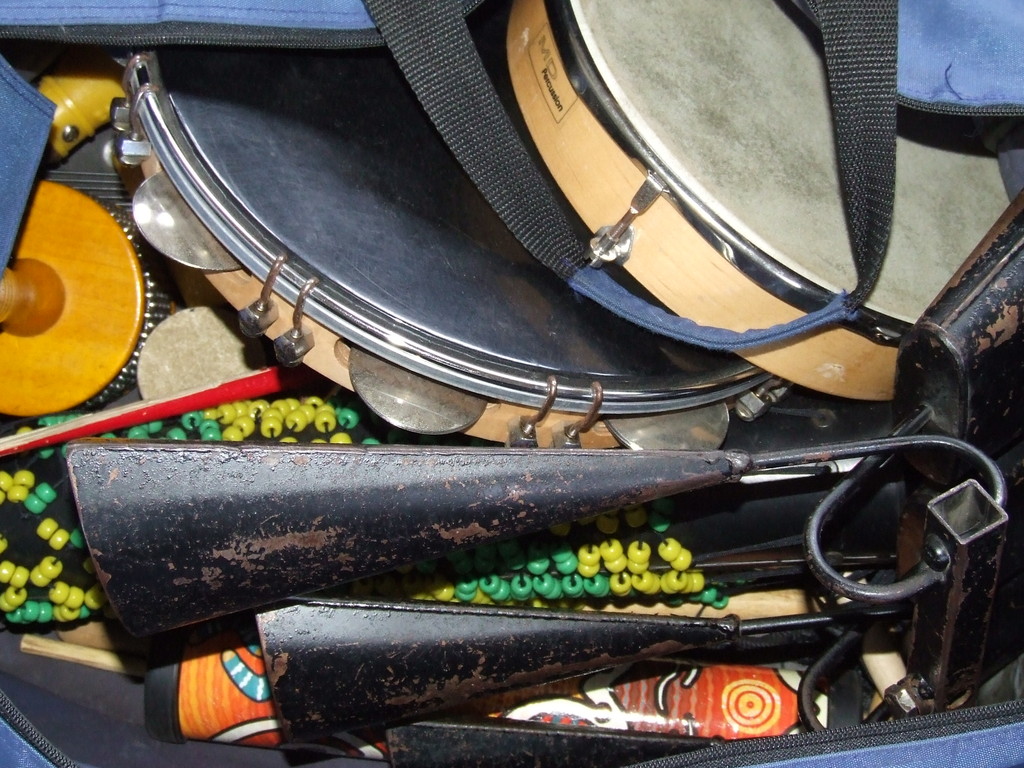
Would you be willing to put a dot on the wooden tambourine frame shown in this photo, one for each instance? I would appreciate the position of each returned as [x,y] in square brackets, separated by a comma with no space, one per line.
[670,258]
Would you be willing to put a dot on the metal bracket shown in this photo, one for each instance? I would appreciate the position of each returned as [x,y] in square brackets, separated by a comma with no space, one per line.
[613,244]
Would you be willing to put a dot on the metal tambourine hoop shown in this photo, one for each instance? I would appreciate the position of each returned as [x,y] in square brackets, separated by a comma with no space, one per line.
[930,570]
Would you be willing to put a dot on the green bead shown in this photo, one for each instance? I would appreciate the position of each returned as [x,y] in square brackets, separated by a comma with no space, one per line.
[48,421]
[34,504]
[138,433]
[658,522]
[466,590]
[45,492]
[572,585]
[46,453]
[84,612]
[347,417]
[567,566]
[210,433]
[426,566]
[721,603]
[521,586]
[76,539]
[461,562]
[30,610]
[547,586]
[496,588]
[597,586]
[370,441]
[192,420]
[176,433]
[154,426]
[512,555]
[45,613]
[17,616]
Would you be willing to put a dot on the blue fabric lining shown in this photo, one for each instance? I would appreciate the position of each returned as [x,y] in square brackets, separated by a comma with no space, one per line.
[309,14]
[598,285]
[964,53]
[24,127]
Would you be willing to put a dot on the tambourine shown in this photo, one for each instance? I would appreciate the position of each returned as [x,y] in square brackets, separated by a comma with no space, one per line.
[348,234]
[715,117]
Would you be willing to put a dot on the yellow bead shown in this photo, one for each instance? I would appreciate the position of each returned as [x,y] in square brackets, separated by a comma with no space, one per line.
[618,565]
[5,606]
[271,426]
[607,523]
[38,578]
[232,434]
[325,420]
[59,539]
[3,543]
[669,550]
[620,584]
[273,413]
[59,592]
[95,597]
[47,528]
[15,596]
[636,515]
[296,420]
[639,552]
[590,554]
[316,402]
[6,571]
[611,549]
[445,593]
[18,493]
[560,529]
[6,481]
[289,439]
[341,437]
[696,581]
[63,613]
[211,414]
[227,413]
[3,497]
[88,566]
[318,440]
[647,583]
[246,423]
[24,477]
[258,407]
[588,570]
[683,561]
[280,405]
[292,403]
[671,583]
[50,567]
[75,598]
[20,577]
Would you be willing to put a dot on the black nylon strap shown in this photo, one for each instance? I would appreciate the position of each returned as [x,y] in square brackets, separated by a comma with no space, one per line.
[432,45]
[860,39]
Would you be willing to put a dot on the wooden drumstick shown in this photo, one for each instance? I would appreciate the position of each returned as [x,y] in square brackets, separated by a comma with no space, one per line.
[72,304]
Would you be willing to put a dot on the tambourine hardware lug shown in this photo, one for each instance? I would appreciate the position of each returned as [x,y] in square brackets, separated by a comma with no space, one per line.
[131,144]
[291,346]
[757,402]
[613,244]
[254,319]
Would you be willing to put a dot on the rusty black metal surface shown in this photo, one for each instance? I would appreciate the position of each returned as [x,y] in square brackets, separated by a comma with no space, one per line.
[964,535]
[461,744]
[338,665]
[181,532]
[962,359]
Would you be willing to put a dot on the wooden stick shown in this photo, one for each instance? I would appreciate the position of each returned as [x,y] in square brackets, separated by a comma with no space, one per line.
[80,654]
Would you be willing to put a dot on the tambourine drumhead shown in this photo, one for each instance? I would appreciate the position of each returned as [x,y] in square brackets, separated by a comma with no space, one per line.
[735,102]
[729,102]
[326,157]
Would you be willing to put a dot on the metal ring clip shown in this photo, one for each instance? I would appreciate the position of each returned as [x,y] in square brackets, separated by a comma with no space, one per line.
[261,314]
[523,433]
[135,63]
[291,346]
[571,434]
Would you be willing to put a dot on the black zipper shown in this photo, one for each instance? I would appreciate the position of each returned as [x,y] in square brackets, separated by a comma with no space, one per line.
[780,748]
[21,725]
